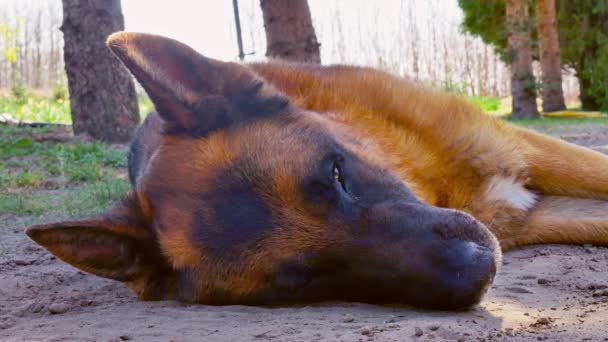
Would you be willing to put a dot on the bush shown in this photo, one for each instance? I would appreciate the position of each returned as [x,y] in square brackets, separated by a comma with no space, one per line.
[18,90]
[59,90]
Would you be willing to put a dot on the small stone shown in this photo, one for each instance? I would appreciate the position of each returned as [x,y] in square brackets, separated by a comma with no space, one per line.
[418,331]
[31,307]
[544,321]
[594,286]
[348,318]
[366,332]
[434,327]
[125,337]
[21,262]
[59,308]
[543,281]
[516,289]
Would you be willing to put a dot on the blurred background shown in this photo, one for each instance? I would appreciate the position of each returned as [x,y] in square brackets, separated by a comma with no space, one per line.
[459,46]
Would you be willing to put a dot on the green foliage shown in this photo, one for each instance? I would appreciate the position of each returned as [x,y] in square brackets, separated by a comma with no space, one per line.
[486,19]
[530,85]
[18,90]
[487,104]
[145,105]
[10,46]
[55,109]
[583,36]
[59,90]
[38,109]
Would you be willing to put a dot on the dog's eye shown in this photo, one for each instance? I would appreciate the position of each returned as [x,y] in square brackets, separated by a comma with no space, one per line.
[337,175]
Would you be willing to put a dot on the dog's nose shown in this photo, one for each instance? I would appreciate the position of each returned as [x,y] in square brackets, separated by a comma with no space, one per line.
[465,275]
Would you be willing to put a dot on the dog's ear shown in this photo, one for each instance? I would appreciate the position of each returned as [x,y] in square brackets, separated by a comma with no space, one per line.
[192,93]
[117,245]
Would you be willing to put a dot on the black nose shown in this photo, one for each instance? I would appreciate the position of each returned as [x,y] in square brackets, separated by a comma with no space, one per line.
[469,280]
[463,274]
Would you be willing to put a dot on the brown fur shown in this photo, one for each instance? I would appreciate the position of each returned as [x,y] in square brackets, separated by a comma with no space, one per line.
[446,149]
[228,206]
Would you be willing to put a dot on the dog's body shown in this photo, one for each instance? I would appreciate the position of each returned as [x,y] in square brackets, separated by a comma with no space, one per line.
[223,184]
[525,187]
[448,152]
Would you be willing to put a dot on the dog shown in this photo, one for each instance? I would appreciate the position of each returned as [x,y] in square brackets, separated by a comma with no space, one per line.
[278,183]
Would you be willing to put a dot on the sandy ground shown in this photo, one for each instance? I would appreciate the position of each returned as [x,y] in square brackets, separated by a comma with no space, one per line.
[553,293]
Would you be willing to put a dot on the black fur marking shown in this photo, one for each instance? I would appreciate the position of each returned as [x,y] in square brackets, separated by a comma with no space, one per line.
[133,157]
[239,105]
[143,146]
[239,216]
[248,102]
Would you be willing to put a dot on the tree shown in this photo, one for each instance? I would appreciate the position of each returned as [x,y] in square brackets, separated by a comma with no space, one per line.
[550,60]
[102,93]
[290,34]
[523,84]
[582,33]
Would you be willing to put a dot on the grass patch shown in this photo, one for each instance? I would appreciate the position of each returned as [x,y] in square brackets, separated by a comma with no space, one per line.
[82,200]
[38,109]
[75,179]
[487,104]
[53,109]
[28,163]
[558,121]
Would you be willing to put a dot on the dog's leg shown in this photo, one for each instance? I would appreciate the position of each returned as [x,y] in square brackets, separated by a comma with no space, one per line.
[561,168]
[564,220]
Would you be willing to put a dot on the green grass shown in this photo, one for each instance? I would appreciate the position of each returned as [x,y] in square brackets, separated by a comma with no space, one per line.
[487,104]
[559,121]
[38,109]
[75,178]
[82,200]
[46,109]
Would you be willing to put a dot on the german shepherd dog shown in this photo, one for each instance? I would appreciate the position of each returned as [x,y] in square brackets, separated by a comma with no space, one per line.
[278,183]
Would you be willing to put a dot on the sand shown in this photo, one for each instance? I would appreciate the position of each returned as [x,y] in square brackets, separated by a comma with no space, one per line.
[553,293]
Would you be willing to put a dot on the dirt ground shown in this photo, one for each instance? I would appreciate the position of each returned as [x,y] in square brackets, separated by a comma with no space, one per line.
[553,293]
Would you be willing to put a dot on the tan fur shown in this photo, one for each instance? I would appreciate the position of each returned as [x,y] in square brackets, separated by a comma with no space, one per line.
[448,151]
[187,232]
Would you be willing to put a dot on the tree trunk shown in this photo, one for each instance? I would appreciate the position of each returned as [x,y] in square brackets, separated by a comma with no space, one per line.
[522,79]
[290,34]
[102,93]
[550,60]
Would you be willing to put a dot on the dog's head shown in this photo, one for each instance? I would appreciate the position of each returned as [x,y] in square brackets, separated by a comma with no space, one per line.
[252,200]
